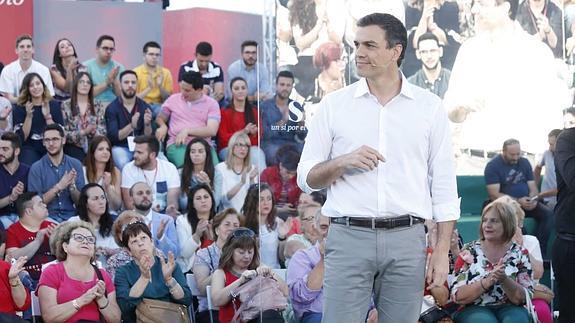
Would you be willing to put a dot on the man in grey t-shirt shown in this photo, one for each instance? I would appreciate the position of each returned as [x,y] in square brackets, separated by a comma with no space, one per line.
[549,181]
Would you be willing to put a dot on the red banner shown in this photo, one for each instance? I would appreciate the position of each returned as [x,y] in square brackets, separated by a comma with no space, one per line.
[15,19]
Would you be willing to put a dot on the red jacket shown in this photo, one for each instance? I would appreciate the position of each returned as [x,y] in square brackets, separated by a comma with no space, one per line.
[271,175]
[231,122]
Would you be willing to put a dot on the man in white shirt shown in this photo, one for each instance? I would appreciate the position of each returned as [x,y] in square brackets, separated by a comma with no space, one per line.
[161,175]
[13,73]
[163,227]
[382,147]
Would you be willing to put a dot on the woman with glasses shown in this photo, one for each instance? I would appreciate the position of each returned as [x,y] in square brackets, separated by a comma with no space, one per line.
[239,262]
[235,174]
[240,115]
[148,275]
[93,207]
[33,111]
[99,168]
[194,228]
[83,117]
[208,259]
[73,289]
[198,168]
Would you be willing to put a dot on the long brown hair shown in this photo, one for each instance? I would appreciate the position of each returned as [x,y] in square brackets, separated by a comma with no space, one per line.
[234,242]
[25,94]
[251,208]
[90,161]
[74,95]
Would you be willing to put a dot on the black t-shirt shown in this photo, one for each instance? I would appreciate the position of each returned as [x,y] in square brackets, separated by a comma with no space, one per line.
[565,171]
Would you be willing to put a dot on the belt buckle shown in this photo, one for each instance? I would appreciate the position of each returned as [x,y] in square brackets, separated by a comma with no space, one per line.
[410,221]
[347,221]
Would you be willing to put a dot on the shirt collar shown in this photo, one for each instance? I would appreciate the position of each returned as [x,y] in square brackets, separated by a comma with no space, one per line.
[406,88]
[149,217]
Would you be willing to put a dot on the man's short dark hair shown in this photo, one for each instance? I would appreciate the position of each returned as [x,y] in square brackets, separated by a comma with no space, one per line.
[554,133]
[288,157]
[104,37]
[151,44]
[13,138]
[126,72]
[153,143]
[510,142]
[427,36]
[570,110]
[23,202]
[395,32]
[57,127]
[194,79]
[23,37]
[249,43]
[204,48]
[287,74]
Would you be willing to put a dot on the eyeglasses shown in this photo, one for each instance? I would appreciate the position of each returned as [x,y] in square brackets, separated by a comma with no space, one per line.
[108,49]
[243,232]
[307,219]
[81,238]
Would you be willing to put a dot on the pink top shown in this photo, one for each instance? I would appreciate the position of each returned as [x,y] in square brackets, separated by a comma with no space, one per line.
[68,289]
[183,114]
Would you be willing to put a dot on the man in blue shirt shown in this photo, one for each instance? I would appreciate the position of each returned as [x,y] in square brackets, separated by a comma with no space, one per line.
[13,176]
[104,70]
[280,114]
[56,177]
[255,74]
[510,174]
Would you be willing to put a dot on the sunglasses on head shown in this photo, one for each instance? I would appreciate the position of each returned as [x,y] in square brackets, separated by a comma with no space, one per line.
[243,232]
[125,226]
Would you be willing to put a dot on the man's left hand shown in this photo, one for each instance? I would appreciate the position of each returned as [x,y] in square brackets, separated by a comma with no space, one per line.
[437,269]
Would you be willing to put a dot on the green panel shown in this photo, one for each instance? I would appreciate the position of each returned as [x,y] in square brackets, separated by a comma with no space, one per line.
[472,191]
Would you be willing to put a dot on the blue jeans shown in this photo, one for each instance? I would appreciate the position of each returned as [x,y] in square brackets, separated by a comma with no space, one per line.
[8,219]
[507,313]
[311,317]
[122,156]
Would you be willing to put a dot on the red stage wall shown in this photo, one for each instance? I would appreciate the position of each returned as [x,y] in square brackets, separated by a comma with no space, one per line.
[15,19]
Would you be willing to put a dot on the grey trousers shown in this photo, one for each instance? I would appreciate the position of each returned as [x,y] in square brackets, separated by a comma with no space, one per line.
[389,263]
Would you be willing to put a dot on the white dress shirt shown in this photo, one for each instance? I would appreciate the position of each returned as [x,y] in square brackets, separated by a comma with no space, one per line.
[13,75]
[412,133]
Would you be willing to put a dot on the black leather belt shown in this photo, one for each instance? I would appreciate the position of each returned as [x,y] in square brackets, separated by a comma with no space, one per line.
[378,223]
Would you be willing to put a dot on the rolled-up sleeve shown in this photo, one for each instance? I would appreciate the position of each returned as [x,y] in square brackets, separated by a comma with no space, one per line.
[297,274]
[317,146]
[441,167]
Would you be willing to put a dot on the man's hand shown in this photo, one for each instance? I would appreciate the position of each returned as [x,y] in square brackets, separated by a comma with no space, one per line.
[437,269]
[161,133]
[162,228]
[364,158]
[16,191]
[111,78]
[181,137]
[66,180]
[527,204]
[45,233]
[147,117]
[135,119]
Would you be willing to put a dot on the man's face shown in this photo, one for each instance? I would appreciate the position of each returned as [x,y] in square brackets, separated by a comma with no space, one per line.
[189,93]
[53,142]
[142,196]
[38,208]
[105,51]
[250,55]
[511,154]
[488,15]
[373,58]
[203,61]
[152,56]
[552,140]
[7,153]
[142,156]
[128,84]
[323,226]
[25,49]
[429,53]
[284,86]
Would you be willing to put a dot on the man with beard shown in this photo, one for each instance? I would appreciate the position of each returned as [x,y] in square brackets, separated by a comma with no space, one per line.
[431,76]
[162,226]
[13,176]
[126,117]
[57,177]
[279,114]
[104,70]
[212,73]
[255,74]
[161,175]
[187,115]
[510,174]
[154,80]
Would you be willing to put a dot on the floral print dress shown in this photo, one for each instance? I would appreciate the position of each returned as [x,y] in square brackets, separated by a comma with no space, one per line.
[472,265]
[73,124]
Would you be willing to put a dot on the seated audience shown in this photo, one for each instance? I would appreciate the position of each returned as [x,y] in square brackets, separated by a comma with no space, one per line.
[73,289]
[148,276]
[548,183]
[154,80]
[123,256]
[5,115]
[13,176]
[283,180]
[255,74]
[198,168]
[194,227]
[13,295]
[239,262]
[29,236]
[187,115]
[492,273]
[56,176]
[162,226]
[65,67]
[34,110]
[127,117]
[306,238]
[305,275]
[99,168]
[93,208]
[240,115]
[104,70]
[83,117]
[259,211]
[212,73]
[13,74]
[161,176]
[234,175]
[207,260]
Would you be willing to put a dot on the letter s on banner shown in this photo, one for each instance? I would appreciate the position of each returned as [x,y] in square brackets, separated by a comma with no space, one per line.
[295,115]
